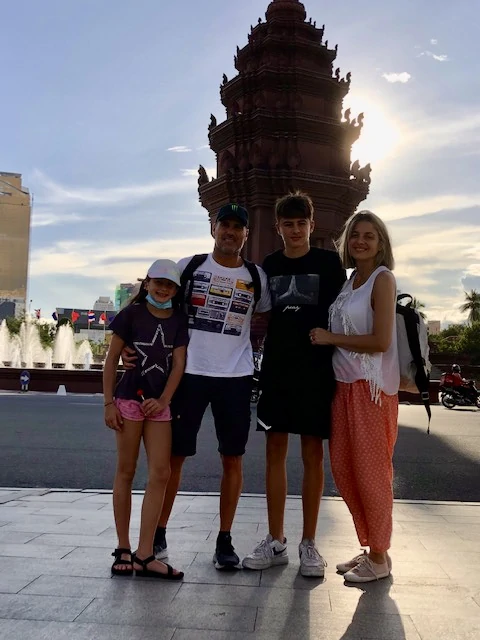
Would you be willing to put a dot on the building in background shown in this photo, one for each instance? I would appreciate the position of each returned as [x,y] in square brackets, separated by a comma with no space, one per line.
[7,309]
[15,211]
[122,293]
[434,327]
[104,304]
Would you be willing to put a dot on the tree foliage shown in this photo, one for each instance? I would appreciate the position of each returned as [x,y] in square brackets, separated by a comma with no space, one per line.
[470,342]
[47,334]
[472,306]
[14,324]
[458,339]
[419,306]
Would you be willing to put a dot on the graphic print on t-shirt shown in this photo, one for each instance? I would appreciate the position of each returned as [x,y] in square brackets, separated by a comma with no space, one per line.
[295,290]
[150,351]
[219,303]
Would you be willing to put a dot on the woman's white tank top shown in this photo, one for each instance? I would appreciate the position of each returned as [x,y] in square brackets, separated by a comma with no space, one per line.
[352,314]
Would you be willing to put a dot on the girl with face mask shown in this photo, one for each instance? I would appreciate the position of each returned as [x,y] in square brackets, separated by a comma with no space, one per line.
[138,408]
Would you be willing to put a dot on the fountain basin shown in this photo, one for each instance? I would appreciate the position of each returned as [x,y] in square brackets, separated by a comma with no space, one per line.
[48,380]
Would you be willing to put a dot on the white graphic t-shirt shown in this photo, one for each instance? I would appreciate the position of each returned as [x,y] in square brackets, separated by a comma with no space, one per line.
[219,319]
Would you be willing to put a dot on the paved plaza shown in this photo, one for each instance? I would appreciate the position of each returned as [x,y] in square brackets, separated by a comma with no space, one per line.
[55,582]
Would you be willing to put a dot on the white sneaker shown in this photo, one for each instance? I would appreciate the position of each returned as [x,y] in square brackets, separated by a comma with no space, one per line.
[312,565]
[268,553]
[343,567]
[367,571]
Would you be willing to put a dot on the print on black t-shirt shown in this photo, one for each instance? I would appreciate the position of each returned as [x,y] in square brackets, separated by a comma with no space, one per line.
[302,291]
[293,290]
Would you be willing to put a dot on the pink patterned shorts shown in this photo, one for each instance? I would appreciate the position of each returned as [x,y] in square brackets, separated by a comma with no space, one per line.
[132,410]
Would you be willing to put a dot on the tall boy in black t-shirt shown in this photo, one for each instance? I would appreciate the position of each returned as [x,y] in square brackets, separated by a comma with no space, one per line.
[296,379]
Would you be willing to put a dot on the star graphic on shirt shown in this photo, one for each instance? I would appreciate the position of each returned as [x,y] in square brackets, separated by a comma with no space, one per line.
[149,350]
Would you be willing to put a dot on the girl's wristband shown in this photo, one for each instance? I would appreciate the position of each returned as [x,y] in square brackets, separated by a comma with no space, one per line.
[108,404]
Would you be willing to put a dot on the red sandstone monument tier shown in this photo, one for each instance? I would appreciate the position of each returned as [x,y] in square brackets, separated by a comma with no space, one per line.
[284,130]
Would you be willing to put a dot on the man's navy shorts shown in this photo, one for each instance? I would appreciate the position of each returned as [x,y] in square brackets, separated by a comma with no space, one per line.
[230,402]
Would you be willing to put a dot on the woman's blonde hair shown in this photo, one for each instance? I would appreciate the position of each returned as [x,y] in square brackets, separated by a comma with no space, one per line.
[384,256]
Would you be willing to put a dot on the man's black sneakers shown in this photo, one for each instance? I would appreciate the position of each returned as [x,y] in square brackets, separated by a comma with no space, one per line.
[160,550]
[225,557]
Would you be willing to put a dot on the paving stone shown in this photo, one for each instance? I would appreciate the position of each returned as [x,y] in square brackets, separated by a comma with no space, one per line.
[82,511]
[21,607]
[25,517]
[15,537]
[202,571]
[69,526]
[419,568]
[253,596]
[35,630]
[35,566]
[196,634]
[14,584]
[70,543]
[142,612]
[288,577]
[69,540]
[54,496]
[406,602]
[116,587]
[293,623]
[432,627]
[33,550]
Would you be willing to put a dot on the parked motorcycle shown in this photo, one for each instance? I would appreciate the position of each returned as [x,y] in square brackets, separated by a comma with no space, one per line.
[466,396]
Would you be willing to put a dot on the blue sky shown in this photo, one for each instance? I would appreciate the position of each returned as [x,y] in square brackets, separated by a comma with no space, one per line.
[95,95]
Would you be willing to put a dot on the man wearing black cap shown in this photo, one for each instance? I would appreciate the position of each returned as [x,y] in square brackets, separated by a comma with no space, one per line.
[221,292]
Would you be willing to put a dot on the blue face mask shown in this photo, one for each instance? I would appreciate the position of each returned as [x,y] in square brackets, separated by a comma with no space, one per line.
[159,305]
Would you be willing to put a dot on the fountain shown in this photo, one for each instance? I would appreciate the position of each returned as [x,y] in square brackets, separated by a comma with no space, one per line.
[25,350]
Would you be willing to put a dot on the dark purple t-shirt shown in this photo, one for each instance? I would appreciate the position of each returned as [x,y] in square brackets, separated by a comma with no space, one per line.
[154,340]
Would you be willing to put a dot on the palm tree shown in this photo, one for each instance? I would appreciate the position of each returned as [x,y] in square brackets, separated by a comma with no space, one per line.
[416,304]
[472,305]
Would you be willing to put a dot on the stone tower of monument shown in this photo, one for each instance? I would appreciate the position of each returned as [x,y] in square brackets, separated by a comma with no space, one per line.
[285,130]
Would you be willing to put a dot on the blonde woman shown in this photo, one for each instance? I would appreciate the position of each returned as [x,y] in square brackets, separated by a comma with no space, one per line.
[365,407]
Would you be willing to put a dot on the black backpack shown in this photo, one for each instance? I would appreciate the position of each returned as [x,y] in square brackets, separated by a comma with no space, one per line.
[184,295]
[413,352]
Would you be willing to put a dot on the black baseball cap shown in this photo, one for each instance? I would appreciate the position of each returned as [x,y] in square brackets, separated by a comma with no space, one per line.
[233,211]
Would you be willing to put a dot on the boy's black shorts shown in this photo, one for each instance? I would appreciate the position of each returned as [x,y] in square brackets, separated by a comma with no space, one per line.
[303,410]
[230,401]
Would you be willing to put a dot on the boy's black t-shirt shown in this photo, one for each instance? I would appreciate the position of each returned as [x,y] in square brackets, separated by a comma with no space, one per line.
[302,291]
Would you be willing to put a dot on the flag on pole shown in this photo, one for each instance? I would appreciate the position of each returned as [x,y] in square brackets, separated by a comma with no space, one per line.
[91,316]
[102,319]
[75,316]
[55,316]
[38,313]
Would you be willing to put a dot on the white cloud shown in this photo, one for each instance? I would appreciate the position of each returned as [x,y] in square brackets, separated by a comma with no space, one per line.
[428,131]
[431,264]
[433,41]
[440,58]
[402,77]
[179,149]
[394,210]
[52,192]
[125,261]
[50,218]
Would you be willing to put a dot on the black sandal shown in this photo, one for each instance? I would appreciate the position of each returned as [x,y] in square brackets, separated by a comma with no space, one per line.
[118,561]
[148,573]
